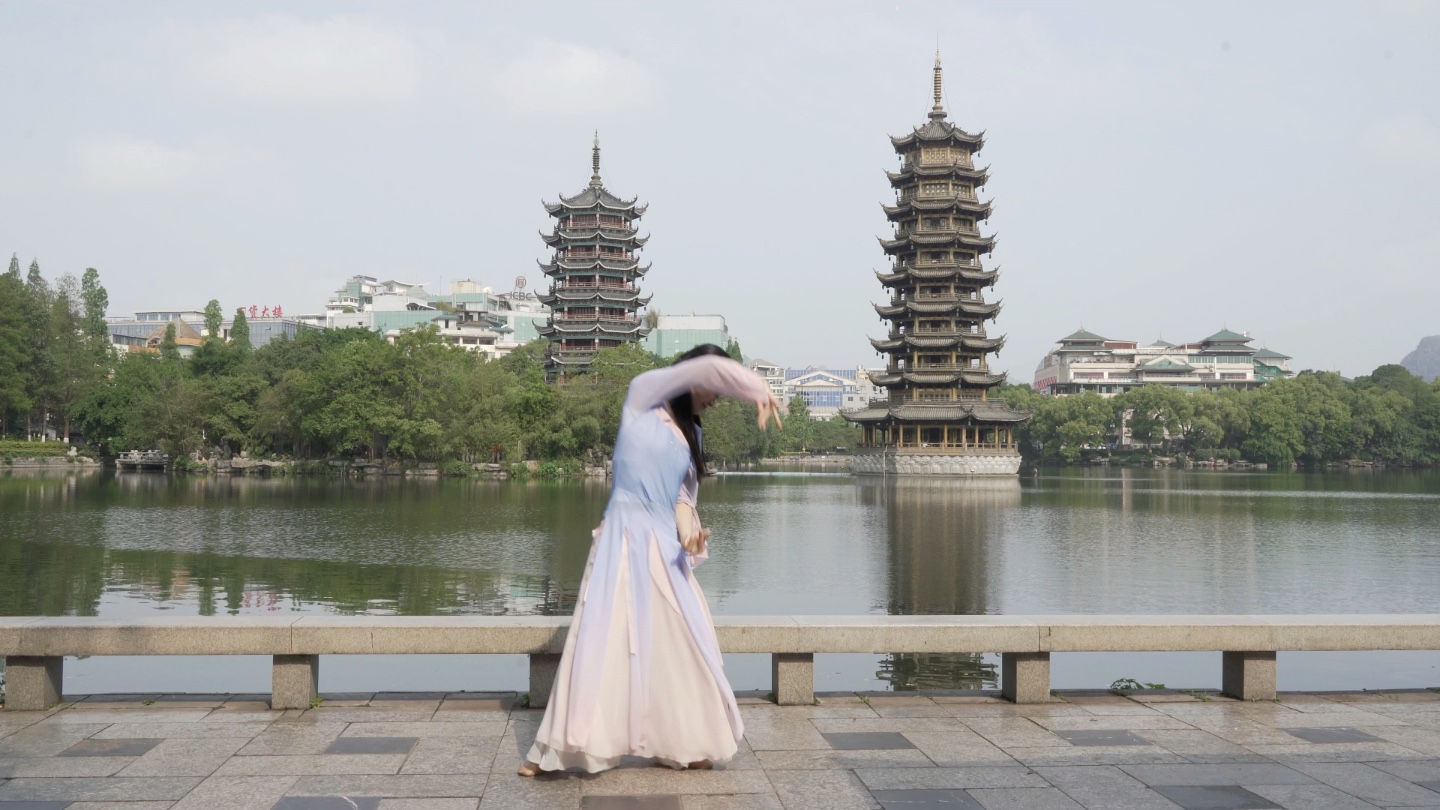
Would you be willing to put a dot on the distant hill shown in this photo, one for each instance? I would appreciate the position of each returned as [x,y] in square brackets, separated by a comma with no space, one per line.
[1425,360]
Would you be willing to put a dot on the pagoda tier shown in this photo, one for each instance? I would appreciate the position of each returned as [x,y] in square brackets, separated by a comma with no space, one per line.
[975,344]
[904,276]
[597,295]
[909,242]
[628,268]
[593,268]
[910,208]
[938,415]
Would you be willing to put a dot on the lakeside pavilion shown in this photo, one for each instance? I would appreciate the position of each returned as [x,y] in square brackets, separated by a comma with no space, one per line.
[938,416]
[593,297]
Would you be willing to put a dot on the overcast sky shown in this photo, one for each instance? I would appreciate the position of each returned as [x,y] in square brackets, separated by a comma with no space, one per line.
[1158,169]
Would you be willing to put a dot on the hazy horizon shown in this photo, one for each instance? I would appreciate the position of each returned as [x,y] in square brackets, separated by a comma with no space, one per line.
[1159,170]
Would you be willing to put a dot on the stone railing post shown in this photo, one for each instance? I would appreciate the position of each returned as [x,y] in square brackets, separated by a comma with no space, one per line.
[543,669]
[792,677]
[294,681]
[33,683]
[1025,677]
[1248,675]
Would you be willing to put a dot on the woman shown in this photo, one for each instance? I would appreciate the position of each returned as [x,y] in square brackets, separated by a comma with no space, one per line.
[641,674]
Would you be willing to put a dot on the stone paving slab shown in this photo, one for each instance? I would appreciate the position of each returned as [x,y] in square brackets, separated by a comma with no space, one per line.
[434,751]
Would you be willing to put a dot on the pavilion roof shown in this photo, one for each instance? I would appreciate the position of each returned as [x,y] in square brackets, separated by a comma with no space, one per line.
[1082,336]
[1227,336]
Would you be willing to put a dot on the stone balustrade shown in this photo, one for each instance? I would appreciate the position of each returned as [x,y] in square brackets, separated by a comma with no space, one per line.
[34,647]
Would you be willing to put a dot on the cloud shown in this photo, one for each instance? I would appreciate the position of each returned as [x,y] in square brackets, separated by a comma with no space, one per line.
[1408,144]
[560,77]
[280,59]
[209,166]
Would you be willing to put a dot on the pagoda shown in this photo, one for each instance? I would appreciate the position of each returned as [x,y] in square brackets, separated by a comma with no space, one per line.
[593,298]
[938,416]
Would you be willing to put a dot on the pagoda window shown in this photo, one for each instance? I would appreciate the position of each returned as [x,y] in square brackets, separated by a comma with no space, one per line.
[935,224]
[934,188]
[965,258]
[936,257]
[962,190]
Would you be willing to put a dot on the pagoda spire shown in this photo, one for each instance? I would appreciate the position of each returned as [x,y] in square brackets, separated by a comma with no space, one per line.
[595,163]
[937,113]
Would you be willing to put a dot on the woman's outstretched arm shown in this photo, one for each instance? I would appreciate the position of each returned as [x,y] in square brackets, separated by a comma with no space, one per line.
[719,375]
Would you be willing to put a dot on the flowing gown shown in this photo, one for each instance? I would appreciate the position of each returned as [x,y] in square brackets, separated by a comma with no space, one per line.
[641,674]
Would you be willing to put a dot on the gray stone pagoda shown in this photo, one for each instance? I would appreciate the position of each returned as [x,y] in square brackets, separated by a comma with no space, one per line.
[593,297]
[939,417]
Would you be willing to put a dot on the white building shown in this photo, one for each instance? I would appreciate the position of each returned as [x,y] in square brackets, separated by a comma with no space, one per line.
[469,315]
[1085,361]
[826,391]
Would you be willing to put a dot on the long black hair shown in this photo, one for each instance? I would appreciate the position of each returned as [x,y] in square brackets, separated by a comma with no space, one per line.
[683,409]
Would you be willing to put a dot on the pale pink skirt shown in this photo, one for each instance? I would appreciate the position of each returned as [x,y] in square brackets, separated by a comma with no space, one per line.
[687,719]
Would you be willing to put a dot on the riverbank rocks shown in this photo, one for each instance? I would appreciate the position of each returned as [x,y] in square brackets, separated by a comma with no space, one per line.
[50,462]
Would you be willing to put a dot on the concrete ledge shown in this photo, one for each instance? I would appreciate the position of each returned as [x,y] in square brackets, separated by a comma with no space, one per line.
[524,635]
[35,647]
[883,634]
[411,635]
[1154,633]
[170,635]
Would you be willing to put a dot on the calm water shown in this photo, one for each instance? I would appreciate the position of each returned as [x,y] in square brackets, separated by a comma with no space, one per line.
[1083,541]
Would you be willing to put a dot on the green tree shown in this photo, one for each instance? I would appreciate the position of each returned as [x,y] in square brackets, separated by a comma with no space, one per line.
[214,321]
[1152,412]
[213,358]
[732,348]
[108,414]
[172,418]
[15,347]
[798,430]
[75,361]
[95,301]
[240,332]
[1067,426]
[40,376]
[14,271]
[169,349]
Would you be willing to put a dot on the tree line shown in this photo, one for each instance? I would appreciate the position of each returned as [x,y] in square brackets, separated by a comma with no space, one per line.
[351,393]
[1388,416]
[327,394]
[54,348]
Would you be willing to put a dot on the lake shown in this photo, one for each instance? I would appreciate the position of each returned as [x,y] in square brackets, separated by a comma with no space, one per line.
[1094,540]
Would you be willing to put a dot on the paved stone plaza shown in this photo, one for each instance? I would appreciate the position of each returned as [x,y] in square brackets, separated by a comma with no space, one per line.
[946,752]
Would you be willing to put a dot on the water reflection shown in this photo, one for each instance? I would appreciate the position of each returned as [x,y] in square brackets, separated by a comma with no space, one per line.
[1073,541]
[942,534]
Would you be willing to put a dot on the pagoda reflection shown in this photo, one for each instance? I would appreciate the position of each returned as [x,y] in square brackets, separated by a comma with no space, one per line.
[942,533]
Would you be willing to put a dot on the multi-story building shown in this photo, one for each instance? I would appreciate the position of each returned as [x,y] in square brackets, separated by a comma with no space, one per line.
[773,373]
[938,417]
[147,329]
[593,296]
[1085,361]
[676,334]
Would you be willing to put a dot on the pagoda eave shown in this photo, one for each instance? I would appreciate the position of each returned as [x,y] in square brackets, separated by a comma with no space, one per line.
[981,411]
[910,274]
[937,132]
[943,205]
[909,175]
[921,241]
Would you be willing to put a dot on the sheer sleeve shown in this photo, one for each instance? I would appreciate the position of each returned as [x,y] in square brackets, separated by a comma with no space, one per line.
[719,375]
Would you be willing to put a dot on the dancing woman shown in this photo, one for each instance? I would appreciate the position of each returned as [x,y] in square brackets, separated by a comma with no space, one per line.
[641,674]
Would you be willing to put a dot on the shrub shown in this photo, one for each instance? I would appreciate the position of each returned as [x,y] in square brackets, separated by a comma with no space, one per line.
[455,468]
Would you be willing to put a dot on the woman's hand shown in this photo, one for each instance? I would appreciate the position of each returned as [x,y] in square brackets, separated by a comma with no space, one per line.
[768,409]
[695,543]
